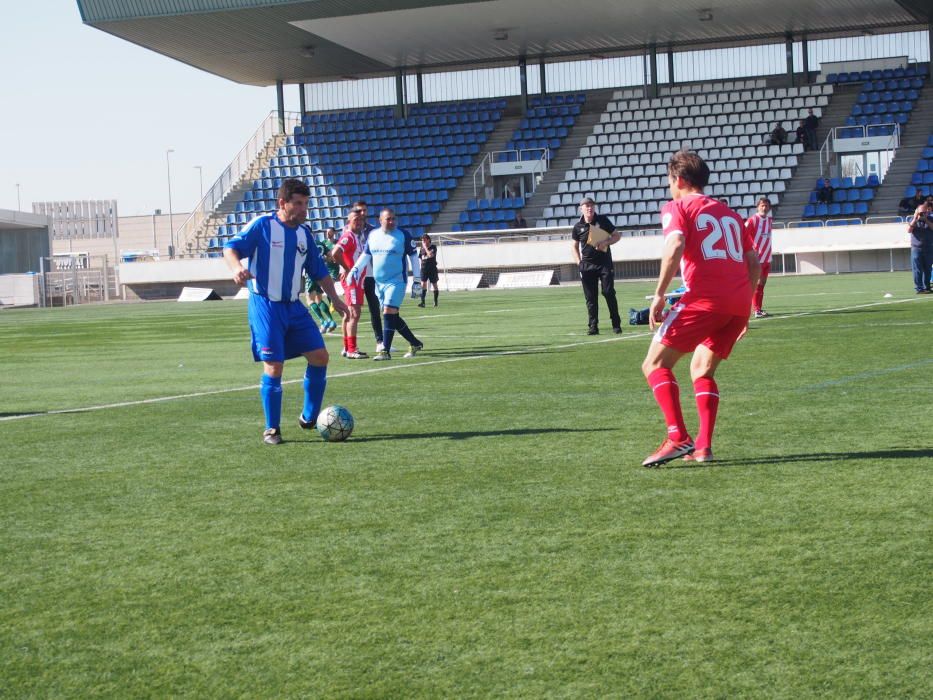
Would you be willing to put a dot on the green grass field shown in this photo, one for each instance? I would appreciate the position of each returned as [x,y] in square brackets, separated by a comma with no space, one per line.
[487,531]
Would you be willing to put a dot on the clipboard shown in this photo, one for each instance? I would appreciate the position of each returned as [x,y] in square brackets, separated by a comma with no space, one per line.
[597,235]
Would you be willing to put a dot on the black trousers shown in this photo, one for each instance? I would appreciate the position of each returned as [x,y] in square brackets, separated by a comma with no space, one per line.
[604,277]
[375,311]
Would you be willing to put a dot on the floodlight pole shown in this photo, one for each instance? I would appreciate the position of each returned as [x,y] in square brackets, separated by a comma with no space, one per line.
[200,179]
[171,219]
[18,206]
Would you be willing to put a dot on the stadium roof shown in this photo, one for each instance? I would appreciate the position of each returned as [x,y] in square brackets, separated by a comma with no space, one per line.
[259,43]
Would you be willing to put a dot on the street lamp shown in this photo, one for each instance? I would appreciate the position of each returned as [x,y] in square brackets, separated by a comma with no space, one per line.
[171,220]
[200,179]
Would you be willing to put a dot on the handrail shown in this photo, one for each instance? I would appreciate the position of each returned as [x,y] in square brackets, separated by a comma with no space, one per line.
[231,175]
[481,170]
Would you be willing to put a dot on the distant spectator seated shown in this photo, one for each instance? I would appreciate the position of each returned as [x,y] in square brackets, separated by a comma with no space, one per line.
[518,221]
[909,205]
[778,136]
[824,192]
[802,138]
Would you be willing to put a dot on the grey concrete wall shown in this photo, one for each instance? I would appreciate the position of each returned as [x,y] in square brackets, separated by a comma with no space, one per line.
[21,248]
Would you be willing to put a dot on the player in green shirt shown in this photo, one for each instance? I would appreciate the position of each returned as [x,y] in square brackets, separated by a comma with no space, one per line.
[318,303]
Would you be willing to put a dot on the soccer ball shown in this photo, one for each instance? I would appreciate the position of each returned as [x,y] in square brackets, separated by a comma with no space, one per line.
[335,423]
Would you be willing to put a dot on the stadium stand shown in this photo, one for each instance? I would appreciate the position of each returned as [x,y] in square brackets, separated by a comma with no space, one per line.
[883,106]
[549,120]
[623,165]
[922,178]
[488,214]
[410,164]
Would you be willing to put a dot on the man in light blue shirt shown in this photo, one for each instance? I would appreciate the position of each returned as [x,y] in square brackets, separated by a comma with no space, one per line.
[391,251]
[280,247]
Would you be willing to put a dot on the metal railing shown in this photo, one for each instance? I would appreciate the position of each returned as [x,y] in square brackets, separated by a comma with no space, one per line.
[828,154]
[267,130]
[537,172]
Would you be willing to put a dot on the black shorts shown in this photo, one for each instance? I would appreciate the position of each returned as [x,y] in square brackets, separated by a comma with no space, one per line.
[429,276]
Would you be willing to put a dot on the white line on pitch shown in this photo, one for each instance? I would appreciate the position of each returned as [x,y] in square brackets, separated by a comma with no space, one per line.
[373,370]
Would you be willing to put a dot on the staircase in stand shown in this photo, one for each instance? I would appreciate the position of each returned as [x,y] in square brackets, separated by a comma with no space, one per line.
[797,195]
[593,109]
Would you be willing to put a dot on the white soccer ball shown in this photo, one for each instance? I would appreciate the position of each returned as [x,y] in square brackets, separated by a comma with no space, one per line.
[335,423]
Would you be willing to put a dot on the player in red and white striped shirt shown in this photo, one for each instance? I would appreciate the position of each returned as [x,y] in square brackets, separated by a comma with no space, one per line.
[759,228]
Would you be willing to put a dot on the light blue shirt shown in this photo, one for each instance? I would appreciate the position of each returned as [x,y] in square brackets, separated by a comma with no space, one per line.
[390,252]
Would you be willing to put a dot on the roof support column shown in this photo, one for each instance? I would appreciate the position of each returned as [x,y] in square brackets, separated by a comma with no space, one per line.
[670,65]
[400,94]
[420,84]
[653,67]
[789,54]
[280,99]
[805,51]
[542,73]
[930,39]
[301,99]
[523,79]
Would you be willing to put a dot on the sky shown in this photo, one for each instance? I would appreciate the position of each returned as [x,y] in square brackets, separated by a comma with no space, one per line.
[86,115]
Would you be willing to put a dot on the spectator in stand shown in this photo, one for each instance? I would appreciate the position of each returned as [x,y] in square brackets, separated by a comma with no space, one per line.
[810,124]
[824,193]
[908,205]
[920,227]
[801,132]
[778,136]
[518,221]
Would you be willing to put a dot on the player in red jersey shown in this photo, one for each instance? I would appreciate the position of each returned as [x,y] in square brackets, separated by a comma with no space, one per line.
[346,252]
[759,227]
[719,268]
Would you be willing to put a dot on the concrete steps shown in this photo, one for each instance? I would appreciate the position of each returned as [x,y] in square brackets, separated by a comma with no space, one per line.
[463,192]
[808,163]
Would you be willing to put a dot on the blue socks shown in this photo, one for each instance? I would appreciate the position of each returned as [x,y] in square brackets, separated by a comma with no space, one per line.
[314,384]
[270,392]
[403,328]
[388,330]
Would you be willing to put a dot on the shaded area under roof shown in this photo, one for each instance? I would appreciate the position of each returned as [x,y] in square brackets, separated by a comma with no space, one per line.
[259,43]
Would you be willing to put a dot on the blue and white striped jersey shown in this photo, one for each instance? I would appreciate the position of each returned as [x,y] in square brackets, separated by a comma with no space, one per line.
[277,255]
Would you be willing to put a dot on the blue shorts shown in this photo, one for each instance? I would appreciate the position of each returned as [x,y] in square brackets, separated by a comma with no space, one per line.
[391,293]
[281,330]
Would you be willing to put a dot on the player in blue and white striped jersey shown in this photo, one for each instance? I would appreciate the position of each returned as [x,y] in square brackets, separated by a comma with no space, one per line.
[390,250]
[280,247]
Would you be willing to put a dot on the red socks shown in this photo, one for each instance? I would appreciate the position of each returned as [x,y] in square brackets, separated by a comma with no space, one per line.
[707,395]
[667,393]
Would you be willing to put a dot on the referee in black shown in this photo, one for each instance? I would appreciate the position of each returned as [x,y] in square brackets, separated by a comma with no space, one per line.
[595,263]
[427,252]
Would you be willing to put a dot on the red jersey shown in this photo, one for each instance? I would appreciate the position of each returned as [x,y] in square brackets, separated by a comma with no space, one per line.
[349,243]
[713,265]
[759,228]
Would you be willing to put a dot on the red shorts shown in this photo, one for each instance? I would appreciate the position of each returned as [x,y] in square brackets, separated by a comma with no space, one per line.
[352,293]
[685,328]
